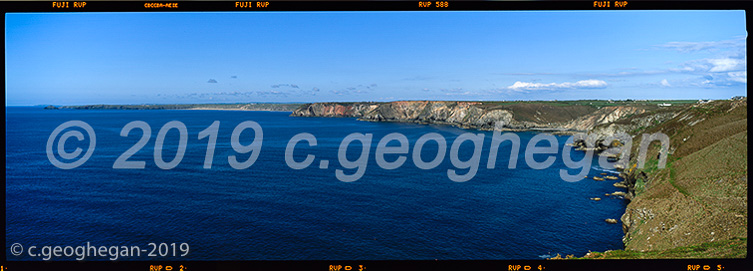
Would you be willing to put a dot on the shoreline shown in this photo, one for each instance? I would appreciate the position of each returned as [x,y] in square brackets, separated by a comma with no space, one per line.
[228,109]
[684,123]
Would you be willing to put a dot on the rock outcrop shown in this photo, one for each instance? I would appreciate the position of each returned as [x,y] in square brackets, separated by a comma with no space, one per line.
[700,196]
[476,115]
[334,109]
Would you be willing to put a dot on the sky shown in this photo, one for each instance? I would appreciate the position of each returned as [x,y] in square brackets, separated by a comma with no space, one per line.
[162,58]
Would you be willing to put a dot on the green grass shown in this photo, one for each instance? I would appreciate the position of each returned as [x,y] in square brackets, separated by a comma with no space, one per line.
[596,103]
[637,130]
[733,248]
[673,175]
[640,185]
[651,166]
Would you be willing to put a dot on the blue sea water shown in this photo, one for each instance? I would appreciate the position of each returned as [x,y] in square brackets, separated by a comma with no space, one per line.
[272,212]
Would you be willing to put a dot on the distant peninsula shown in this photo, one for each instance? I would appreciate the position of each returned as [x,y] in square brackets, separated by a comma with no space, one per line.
[282,107]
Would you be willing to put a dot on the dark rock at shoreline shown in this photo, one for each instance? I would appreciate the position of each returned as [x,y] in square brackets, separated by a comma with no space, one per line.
[705,139]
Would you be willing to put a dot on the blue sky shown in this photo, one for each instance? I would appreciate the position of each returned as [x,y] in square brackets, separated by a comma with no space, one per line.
[136,58]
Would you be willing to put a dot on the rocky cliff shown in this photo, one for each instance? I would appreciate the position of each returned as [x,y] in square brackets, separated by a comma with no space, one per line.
[478,115]
[700,196]
[694,207]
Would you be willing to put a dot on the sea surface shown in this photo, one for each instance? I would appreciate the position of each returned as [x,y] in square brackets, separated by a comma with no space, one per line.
[272,212]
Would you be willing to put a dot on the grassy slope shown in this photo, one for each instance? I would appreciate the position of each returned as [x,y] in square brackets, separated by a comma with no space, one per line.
[732,248]
[695,207]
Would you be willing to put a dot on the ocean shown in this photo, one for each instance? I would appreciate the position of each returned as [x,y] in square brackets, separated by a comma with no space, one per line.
[270,211]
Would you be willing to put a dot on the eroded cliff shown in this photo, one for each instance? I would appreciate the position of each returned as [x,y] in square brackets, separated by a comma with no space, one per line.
[695,206]
[478,115]
[700,195]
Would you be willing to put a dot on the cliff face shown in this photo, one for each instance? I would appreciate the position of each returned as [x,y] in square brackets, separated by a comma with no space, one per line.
[476,115]
[334,109]
[700,196]
[462,114]
[602,116]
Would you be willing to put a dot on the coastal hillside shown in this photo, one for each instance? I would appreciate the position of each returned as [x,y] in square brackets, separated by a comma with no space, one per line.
[540,115]
[694,207]
[699,200]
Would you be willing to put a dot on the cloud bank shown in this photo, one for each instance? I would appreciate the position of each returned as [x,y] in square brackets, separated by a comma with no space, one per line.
[284,85]
[583,84]
[690,46]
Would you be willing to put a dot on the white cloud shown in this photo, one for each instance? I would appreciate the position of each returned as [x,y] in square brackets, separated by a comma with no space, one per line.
[717,72]
[723,79]
[460,94]
[285,85]
[630,72]
[741,77]
[271,93]
[713,65]
[727,68]
[453,90]
[583,84]
[726,65]
[690,46]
